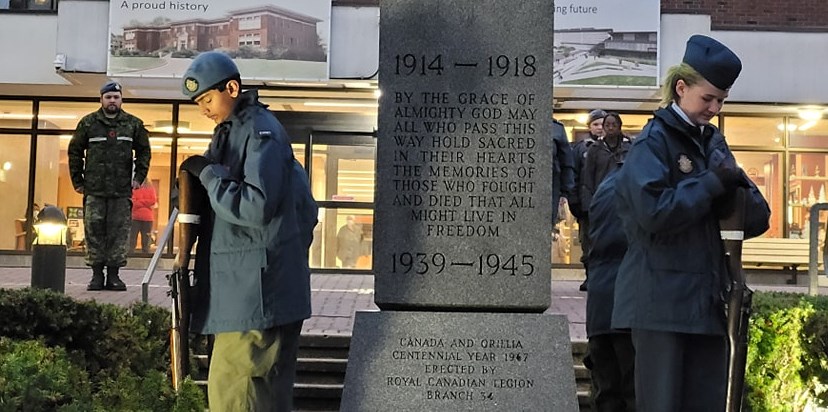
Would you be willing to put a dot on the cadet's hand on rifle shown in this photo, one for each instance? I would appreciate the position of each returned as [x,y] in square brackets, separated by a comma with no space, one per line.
[195,164]
[729,176]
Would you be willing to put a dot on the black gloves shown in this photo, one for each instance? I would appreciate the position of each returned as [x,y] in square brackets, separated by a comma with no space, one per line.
[731,177]
[195,164]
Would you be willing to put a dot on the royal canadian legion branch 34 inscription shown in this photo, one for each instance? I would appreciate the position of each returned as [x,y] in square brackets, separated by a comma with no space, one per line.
[461,369]
[464,162]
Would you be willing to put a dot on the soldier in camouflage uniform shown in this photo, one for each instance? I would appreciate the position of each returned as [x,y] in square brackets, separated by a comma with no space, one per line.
[101,164]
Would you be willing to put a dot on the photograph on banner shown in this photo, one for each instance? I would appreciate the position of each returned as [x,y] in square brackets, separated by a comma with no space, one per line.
[268,39]
[607,42]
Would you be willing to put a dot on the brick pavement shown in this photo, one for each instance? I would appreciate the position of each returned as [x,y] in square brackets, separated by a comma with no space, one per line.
[335,298]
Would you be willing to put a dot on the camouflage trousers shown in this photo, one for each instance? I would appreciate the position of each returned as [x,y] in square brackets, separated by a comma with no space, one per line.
[107,221]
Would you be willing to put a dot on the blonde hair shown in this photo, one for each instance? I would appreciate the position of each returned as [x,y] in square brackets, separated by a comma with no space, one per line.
[678,72]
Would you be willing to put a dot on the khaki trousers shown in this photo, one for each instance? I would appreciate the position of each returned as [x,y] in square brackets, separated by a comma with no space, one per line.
[254,370]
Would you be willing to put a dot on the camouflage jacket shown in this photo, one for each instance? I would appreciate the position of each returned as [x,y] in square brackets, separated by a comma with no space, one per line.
[101,154]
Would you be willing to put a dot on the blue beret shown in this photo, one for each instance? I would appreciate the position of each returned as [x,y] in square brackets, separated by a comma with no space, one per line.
[110,86]
[595,115]
[206,71]
[713,60]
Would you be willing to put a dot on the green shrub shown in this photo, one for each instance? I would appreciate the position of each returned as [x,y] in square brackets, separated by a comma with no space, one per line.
[123,352]
[34,377]
[787,361]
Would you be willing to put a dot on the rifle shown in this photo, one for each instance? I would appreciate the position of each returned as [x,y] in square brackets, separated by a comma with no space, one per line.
[738,301]
[191,200]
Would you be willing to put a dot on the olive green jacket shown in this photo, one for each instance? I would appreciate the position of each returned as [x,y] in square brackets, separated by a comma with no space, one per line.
[101,154]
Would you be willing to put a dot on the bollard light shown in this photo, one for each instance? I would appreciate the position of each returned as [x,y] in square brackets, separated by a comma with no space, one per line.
[50,226]
[49,249]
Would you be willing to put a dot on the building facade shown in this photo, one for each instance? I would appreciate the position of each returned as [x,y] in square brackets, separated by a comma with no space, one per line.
[773,119]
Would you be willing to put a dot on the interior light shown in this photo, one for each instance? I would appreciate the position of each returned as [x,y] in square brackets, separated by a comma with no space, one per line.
[582,118]
[7,166]
[807,125]
[377,93]
[810,114]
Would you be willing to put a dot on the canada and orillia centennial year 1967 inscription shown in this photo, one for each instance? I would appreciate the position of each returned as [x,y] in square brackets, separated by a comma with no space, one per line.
[464,162]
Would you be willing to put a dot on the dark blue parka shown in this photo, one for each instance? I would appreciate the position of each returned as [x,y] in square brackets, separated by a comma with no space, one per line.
[609,244]
[672,275]
[258,273]
[563,170]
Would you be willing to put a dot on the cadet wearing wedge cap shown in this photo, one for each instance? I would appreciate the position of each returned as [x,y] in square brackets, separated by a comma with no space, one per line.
[674,186]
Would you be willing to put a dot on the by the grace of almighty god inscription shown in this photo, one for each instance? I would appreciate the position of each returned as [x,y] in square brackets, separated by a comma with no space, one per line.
[463,201]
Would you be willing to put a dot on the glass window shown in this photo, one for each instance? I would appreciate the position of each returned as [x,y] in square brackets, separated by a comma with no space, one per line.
[343,239]
[15,114]
[807,185]
[66,115]
[343,173]
[14,181]
[190,120]
[766,171]
[63,115]
[754,131]
[806,134]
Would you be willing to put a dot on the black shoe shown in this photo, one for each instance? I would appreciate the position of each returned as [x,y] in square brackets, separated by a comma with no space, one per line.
[113,282]
[583,287]
[97,282]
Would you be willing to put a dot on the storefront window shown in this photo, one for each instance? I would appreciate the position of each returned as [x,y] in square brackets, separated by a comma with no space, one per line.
[765,170]
[15,114]
[343,239]
[63,115]
[807,185]
[808,134]
[190,120]
[66,115]
[14,186]
[343,173]
[755,131]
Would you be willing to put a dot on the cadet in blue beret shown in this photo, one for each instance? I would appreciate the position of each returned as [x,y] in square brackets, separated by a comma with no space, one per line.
[676,183]
[109,155]
[253,293]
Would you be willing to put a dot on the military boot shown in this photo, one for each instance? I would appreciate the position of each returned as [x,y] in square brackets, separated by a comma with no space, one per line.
[113,282]
[97,282]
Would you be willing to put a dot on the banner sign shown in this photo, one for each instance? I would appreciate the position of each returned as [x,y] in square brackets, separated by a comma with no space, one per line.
[268,39]
[607,42]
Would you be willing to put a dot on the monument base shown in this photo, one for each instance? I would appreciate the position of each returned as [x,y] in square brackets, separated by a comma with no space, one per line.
[459,361]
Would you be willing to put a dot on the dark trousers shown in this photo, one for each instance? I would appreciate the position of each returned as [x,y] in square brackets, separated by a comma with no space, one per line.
[612,365]
[144,228]
[586,244]
[679,371]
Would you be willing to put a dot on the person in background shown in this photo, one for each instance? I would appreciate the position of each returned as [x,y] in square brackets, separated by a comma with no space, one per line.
[677,182]
[563,169]
[611,357]
[253,293]
[602,157]
[106,147]
[595,122]
[349,243]
[144,202]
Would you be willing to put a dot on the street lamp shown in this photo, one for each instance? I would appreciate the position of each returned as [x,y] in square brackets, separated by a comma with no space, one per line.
[49,249]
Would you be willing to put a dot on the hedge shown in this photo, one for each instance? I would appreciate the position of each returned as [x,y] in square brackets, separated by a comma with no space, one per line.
[121,354]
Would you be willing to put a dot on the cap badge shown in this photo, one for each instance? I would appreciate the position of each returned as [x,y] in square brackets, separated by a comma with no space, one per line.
[191,84]
[685,164]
